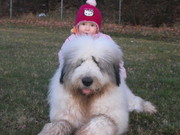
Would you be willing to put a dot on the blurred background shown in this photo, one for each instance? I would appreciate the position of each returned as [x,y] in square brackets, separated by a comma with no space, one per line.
[153,13]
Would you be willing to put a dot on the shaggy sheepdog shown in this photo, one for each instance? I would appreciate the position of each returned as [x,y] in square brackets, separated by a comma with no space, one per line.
[87,96]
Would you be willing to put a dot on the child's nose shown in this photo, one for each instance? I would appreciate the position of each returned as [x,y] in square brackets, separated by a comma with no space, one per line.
[87,27]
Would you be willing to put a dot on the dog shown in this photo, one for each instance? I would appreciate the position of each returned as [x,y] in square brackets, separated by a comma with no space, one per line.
[87,95]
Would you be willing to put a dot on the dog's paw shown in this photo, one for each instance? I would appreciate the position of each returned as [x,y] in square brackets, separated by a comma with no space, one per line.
[149,108]
[98,125]
[57,128]
[140,105]
[49,129]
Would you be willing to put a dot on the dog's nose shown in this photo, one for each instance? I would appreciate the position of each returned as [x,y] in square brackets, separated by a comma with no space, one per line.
[87,81]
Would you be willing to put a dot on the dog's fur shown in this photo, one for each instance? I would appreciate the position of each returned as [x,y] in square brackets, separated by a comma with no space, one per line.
[87,96]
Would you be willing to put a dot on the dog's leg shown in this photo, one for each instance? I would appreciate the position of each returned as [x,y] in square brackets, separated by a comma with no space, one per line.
[139,105]
[61,127]
[98,125]
[136,103]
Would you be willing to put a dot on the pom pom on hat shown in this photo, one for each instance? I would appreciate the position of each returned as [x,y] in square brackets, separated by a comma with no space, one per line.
[89,13]
[91,2]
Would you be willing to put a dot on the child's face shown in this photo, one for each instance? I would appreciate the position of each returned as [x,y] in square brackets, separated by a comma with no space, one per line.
[87,28]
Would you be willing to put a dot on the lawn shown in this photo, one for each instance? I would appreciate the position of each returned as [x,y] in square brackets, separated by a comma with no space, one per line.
[28,59]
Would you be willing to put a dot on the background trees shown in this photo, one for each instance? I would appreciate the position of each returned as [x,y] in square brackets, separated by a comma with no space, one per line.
[133,12]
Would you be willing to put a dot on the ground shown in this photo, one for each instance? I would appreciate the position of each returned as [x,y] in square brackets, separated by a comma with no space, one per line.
[28,56]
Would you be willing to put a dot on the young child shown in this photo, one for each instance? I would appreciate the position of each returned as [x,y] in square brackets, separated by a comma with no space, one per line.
[88,21]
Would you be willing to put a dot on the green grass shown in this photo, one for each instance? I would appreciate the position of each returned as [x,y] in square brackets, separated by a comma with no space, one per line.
[28,59]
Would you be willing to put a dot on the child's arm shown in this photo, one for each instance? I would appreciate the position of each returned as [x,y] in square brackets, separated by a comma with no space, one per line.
[122,70]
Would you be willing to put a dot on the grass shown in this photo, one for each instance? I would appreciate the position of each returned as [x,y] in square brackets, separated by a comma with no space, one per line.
[28,59]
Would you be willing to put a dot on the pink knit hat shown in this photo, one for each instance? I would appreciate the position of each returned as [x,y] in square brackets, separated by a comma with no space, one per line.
[90,13]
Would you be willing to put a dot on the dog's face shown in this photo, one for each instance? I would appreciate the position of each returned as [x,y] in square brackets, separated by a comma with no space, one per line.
[89,72]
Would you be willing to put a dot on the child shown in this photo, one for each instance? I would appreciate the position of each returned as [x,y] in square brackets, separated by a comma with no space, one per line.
[88,21]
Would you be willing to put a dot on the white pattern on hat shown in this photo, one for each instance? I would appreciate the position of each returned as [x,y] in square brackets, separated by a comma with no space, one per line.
[91,2]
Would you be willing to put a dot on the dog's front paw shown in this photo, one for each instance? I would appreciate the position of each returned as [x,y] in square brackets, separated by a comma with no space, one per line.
[98,125]
[57,128]
[50,129]
[81,132]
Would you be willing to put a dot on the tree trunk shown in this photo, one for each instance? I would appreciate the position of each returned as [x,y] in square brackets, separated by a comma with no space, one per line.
[10,10]
[61,9]
[120,5]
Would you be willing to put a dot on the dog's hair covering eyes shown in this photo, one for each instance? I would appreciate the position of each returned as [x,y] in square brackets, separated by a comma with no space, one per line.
[104,52]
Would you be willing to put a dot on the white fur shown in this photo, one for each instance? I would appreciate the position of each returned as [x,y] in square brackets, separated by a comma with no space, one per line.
[113,104]
[109,113]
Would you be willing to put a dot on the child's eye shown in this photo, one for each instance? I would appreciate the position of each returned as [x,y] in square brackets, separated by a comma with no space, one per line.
[83,24]
[92,25]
